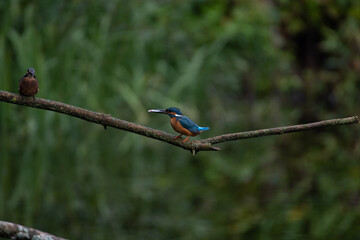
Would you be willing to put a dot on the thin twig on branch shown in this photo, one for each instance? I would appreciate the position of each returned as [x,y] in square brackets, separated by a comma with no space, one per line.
[193,146]
[16,231]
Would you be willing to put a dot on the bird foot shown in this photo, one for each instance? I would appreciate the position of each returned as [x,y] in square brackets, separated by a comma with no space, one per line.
[185,139]
[177,137]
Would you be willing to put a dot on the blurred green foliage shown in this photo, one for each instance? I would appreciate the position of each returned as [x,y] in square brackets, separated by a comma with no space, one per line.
[228,64]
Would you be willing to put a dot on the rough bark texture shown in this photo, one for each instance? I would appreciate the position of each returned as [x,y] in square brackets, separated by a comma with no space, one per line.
[16,231]
[194,146]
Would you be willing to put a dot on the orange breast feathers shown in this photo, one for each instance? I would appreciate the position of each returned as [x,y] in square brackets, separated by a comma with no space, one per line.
[179,128]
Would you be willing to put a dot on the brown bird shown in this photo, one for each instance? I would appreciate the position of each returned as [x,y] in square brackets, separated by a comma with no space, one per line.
[28,84]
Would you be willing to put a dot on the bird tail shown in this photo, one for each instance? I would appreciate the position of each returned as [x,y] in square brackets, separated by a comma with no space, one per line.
[201,129]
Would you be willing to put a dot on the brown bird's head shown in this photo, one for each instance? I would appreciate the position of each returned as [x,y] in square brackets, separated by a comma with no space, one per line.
[30,72]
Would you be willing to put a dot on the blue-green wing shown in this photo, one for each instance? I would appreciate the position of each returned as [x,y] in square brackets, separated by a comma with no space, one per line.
[189,124]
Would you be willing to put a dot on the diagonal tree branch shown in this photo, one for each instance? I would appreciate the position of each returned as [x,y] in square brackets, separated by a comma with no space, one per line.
[103,119]
[193,146]
[280,130]
[16,231]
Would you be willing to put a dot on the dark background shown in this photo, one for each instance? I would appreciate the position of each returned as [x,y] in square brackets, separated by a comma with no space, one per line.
[230,65]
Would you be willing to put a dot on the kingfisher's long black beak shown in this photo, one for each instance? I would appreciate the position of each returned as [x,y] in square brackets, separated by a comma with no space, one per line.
[158,111]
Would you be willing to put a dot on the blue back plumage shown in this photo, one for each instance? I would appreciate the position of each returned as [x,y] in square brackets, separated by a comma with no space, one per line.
[190,125]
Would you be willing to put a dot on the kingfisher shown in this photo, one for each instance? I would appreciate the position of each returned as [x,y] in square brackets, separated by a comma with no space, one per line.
[181,123]
[28,84]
